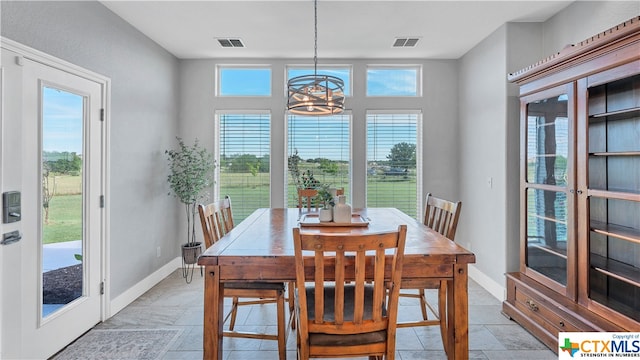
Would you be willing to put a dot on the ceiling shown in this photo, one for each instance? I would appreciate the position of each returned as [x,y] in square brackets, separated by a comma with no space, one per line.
[346,28]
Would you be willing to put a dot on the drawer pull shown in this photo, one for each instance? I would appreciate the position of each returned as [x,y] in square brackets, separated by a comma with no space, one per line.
[532,305]
[561,323]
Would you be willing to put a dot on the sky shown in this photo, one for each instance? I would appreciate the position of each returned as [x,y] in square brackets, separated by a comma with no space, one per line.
[381,81]
[62,114]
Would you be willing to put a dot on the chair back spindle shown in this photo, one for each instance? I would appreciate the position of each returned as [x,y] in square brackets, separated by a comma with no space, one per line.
[442,215]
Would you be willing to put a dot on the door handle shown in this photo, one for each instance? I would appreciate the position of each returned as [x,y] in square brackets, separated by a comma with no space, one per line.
[10,237]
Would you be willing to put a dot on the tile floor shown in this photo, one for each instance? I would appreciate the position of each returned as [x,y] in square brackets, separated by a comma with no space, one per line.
[174,304]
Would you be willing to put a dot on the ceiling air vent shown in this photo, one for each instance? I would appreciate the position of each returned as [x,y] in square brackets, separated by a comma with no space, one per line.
[231,43]
[405,42]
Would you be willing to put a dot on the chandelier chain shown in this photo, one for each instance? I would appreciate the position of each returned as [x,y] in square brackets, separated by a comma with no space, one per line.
[315,37]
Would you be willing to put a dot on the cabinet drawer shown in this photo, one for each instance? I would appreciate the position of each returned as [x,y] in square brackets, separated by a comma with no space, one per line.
[539,308]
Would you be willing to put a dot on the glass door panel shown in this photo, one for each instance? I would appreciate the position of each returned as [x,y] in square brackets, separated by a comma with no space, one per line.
[547,233]
[547,141]
[547,179]
[62,198]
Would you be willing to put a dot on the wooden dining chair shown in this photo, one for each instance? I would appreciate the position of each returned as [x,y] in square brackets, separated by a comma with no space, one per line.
[306,198]
[217,220]
[344,310]
[442,216]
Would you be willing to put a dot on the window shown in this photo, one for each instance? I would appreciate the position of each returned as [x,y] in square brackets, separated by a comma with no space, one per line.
[243,161]
[244,81]
[321,145]
[393,81]
[392,161]
[343,73]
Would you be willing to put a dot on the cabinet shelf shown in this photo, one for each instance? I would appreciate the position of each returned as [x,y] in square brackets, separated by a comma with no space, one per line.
[616,153]
[617,231]
[610,303]
[613,194]
[621,271]
[615,115]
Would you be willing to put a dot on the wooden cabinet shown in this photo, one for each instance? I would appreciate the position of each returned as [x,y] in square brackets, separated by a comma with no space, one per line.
[580,189]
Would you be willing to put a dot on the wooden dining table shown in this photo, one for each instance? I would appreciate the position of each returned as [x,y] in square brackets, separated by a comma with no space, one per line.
[261,248]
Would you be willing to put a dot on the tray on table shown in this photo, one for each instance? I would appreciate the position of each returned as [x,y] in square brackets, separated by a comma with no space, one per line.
[312,219]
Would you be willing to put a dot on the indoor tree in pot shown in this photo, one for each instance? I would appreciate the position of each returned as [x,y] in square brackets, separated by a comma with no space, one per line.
[191,173]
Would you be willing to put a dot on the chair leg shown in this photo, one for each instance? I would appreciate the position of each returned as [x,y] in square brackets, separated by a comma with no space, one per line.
[282,327]
[291,287]
[234,313]
[423,304]
[442,315]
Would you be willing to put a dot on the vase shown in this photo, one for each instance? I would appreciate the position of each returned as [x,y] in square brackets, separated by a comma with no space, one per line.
[326,215]
[342,211]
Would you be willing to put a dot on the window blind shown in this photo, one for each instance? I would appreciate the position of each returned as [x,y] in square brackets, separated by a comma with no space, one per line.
[322,147]
[391,161]
[244,162]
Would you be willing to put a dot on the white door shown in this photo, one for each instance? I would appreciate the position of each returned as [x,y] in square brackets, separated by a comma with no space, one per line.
[62,183]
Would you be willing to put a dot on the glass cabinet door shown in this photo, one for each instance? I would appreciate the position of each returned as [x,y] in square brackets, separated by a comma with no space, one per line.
[547,174]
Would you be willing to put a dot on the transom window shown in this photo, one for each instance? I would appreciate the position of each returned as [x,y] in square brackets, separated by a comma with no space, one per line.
[393,80]
[243,81]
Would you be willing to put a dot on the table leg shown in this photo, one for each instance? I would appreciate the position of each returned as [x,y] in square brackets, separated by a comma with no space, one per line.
[460,317]
[213,314]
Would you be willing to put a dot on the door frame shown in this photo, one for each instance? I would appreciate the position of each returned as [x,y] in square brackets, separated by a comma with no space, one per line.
[25,52]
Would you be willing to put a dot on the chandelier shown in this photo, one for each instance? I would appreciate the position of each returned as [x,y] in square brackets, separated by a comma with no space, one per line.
[315,94]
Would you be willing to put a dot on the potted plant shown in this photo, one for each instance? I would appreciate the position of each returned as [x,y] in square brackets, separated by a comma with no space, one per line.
[326,199]
[191,173]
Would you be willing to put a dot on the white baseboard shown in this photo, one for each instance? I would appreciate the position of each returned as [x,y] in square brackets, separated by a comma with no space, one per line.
[494,288]
[143,286]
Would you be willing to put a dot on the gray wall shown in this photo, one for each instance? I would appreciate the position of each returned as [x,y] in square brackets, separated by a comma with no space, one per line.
[489,134]
[143,123]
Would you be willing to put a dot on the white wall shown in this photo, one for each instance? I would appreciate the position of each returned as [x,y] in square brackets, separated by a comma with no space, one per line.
[489,137]
[144,108]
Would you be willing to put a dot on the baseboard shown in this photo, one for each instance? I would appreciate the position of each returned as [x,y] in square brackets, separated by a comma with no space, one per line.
[143,286]
[494,288]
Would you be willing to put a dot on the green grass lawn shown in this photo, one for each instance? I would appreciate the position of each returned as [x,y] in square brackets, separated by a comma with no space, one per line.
[247,193]
[65,219]
[250,192]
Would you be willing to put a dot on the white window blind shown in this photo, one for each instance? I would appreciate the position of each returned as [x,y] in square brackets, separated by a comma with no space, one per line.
[391,161]
[244,161]
[322,145]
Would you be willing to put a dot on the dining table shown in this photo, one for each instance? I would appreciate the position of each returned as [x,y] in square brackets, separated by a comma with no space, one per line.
[260,248]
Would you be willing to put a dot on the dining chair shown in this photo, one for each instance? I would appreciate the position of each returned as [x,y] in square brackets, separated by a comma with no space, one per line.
[217,220]
[442,216]
[340,312]
[307,197]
